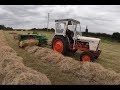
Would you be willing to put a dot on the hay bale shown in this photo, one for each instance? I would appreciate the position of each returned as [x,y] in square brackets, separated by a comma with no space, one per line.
[29,42]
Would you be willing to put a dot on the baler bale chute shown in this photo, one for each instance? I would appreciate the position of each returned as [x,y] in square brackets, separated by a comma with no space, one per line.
[68,38]
[32,39]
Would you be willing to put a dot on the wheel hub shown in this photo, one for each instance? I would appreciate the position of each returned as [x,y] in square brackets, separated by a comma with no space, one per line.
[86,58]
[58,46]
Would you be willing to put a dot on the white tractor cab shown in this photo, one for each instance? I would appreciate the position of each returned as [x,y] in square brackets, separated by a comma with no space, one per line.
[68,38]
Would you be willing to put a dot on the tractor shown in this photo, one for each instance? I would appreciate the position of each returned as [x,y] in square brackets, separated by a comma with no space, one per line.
[68,39]
[31,39]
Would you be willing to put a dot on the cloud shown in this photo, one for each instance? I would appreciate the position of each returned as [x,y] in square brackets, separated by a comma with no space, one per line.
[98,18]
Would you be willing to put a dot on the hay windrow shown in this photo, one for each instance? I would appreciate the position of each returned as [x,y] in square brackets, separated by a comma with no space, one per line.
[16,73]
[10,75]
[13,70]
[68,64]
[52,58]
[7,49]
[41,52]
[11,66]
[31,49]
[87,73]
[30,79]
[96,74]
[25,76]
[8,55]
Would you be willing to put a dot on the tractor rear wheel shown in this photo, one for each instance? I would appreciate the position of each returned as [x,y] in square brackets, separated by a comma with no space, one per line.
[60,44]
[86,56]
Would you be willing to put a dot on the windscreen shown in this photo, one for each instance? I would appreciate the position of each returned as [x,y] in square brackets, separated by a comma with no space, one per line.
[75,28]
[71,27]
[78,30]
[60,27]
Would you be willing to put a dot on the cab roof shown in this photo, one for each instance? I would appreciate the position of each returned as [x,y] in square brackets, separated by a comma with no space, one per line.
[67,20]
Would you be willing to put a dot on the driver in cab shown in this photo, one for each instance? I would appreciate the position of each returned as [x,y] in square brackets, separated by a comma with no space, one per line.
[70,35]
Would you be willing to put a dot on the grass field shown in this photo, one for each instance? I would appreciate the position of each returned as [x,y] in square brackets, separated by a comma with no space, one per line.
[109,58]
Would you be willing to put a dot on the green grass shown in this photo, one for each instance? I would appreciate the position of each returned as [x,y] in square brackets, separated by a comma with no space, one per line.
[109,58]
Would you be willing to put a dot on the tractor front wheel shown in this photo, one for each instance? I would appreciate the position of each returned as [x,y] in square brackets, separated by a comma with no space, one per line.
[86,56]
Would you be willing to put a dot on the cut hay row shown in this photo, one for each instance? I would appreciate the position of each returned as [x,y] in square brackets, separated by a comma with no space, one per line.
[87,73]
[13,69]
[2,40]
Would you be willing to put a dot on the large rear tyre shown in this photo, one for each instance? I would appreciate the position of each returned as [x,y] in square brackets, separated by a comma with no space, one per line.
[86,56]
[60,44]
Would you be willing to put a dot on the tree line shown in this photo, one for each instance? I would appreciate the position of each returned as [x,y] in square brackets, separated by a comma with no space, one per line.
[43,29]
[115,36]
[3,27]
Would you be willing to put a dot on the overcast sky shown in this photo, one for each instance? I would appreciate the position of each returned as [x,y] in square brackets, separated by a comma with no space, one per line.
[98,18]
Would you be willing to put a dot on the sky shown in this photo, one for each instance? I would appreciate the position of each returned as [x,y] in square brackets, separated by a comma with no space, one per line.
[98,18]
